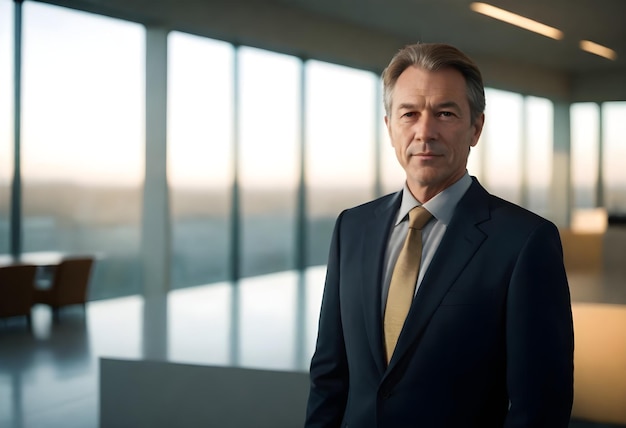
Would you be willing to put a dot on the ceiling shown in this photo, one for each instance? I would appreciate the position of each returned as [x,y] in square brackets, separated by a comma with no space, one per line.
[366,33]
[452,21]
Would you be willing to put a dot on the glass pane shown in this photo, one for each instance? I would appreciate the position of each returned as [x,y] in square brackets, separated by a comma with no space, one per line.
[200,148]
[82,143]
[614,118]
[392,174]
[340,138]
[269,165]
[539,145]
[584,126]
[475,159]
[503,133]
[6,120]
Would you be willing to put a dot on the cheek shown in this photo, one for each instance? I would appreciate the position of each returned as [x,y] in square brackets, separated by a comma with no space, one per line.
[400,152]
[461,153]
[402,146]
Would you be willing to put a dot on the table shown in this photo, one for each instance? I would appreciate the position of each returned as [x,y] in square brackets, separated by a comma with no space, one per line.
[37,258]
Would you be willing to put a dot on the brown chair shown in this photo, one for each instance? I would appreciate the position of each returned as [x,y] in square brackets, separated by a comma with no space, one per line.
[69,285]
[16,290]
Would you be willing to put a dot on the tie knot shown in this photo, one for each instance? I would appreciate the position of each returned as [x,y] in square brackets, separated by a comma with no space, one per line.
[418,217]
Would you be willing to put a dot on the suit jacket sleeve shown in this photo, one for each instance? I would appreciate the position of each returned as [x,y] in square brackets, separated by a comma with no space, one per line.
[539,329]
[329,369]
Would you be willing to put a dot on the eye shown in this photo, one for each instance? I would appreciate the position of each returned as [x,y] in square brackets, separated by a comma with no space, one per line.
[409,114]
[446,114]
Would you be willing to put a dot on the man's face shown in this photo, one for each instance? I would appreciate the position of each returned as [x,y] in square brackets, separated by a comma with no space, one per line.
[430,128]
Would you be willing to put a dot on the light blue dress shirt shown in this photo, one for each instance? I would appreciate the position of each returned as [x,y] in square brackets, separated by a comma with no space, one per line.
[442,208]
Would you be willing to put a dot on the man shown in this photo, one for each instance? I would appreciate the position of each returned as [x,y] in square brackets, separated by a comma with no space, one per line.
[486,337]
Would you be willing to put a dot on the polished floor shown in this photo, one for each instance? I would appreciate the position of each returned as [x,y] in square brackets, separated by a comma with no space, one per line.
[49,376]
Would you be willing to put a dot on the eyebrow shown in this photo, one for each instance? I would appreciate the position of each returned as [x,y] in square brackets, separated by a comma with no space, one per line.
[443,105]
[449,104]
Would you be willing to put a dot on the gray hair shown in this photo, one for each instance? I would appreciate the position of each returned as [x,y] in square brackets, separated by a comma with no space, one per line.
[433,57]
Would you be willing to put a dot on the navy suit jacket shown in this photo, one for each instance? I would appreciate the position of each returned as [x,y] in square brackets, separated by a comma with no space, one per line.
[488,341]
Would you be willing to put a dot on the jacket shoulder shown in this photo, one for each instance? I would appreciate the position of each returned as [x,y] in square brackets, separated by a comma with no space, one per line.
[499,209]
[382,203]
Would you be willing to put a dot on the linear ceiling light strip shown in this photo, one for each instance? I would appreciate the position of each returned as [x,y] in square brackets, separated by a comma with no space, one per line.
[596,49]
[517,20]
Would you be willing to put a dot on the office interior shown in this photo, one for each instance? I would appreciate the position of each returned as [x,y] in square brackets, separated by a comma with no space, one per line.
[201,151]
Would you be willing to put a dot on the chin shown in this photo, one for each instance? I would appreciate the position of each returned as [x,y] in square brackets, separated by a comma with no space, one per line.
[424,177]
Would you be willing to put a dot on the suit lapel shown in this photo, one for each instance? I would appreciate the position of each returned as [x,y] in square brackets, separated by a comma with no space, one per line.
[376,235]
[459,244]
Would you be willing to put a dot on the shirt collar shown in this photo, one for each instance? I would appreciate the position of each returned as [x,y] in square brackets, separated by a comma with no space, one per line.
[441,206]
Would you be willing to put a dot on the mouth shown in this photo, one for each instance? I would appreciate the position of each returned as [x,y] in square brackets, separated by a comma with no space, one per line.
[426,155]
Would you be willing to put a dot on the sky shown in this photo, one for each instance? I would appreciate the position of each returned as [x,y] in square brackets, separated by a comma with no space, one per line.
[82,116]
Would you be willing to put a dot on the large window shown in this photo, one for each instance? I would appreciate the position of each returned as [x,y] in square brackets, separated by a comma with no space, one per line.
[614,120]
[236,116]
[584,149]
[200,146]
[269,145]
[392,175]
[82,140]
[6,120]
[340,140]
[538,147]
[502,144]
[475,160]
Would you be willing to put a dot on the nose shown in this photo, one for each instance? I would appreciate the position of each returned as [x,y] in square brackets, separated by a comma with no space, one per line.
[425,128]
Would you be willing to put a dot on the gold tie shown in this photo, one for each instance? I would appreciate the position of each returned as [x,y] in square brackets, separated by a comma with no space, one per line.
[404,279]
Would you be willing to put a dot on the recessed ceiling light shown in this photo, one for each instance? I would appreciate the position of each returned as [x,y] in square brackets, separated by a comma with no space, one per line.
[517,20]
[597,49]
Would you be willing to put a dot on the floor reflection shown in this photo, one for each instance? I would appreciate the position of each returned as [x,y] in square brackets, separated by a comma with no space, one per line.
[49,370]
[49,377]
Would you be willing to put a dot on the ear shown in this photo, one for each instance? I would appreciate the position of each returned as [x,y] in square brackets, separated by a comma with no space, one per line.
[478,129]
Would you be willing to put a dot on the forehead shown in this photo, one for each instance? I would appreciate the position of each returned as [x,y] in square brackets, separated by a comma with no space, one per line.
[417,84]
